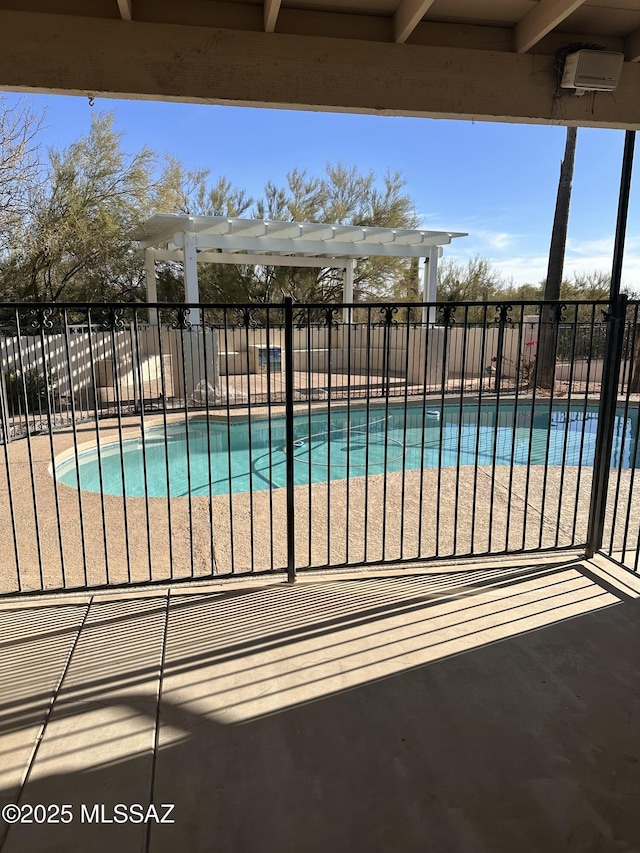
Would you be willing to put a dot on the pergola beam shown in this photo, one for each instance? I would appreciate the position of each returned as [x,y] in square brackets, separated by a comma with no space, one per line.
[126,9]
[407,17]
[287,240]
[253,260]
[535,25]
[271,10]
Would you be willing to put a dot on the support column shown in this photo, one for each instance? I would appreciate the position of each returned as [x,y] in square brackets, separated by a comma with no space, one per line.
[347,289]
[430,283]
[151,284]
[191,294]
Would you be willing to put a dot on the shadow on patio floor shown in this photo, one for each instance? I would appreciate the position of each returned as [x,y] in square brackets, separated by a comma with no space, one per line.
[490,709]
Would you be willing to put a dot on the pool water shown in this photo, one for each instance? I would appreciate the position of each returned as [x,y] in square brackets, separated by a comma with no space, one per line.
[246,456]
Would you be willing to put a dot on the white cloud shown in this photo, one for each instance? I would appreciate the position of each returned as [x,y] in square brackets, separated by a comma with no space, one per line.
[602,247]
[496,240]
[522,269]
[522,259]
[425,218]
[585,256]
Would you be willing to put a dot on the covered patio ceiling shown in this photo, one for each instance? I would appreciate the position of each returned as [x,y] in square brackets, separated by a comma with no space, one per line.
[227,240]
[474,59]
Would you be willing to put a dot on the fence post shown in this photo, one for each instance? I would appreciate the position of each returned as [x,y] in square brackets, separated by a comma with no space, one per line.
[289,437]
[606,422]
[502,319]
[5,430]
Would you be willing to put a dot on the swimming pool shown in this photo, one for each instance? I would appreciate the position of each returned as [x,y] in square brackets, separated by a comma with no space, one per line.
[247,455]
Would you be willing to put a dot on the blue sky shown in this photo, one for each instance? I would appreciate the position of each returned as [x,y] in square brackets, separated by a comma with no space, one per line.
[496,181]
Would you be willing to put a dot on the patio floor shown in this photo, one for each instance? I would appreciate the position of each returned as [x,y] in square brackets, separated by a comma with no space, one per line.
[485,707]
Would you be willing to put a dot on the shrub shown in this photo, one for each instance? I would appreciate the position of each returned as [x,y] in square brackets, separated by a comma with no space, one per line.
[29,395]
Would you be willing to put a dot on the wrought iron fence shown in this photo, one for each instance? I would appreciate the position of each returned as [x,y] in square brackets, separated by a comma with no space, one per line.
[619,519]
[159,443]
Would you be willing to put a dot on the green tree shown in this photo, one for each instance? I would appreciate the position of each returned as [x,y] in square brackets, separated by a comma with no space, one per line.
[475,281]
[75,243]
[20,166]
[181,190]
[408,289]
[343,196]
[72,241]
[523,292]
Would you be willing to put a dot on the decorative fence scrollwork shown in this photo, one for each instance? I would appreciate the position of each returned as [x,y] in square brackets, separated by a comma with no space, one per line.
[112,318]
[446,313]
[182,320]
[246,317]
[37,319]
[331,315]
[503,310]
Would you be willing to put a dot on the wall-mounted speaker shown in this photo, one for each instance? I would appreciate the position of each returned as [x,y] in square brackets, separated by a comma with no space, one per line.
[592,70]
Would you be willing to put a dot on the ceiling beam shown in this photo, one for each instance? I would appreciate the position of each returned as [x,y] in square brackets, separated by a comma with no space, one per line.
[271,9]
[126,10]
[543,18]
[407,17]
[48,53]
[632,47]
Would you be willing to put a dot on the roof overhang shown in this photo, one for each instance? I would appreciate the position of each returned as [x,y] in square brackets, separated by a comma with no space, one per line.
[472,59]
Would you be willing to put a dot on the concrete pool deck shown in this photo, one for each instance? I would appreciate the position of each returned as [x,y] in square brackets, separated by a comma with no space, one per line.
[479,709]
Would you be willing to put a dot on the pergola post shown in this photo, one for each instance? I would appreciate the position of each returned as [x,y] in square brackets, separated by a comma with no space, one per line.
[347,289]
[151,284]
[430,284]
[191,293]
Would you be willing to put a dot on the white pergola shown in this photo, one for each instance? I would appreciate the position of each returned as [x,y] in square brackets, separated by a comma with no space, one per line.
[226,240]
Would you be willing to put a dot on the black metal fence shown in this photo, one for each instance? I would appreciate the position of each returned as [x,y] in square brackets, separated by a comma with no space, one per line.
[618,520]
[168,442]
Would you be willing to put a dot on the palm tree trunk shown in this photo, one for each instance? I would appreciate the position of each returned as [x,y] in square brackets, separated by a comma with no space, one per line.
[548,331]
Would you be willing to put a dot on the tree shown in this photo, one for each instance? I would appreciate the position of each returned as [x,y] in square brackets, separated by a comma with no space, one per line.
[408,289]
[75,243]
[547,335]
[19,166]
[343,196]
[72,241]
[181,190]
[475,281]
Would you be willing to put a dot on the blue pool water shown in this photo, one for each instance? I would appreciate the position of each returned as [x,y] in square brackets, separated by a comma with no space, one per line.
[240,457]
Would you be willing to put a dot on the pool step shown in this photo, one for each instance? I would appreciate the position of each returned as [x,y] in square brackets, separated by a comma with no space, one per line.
[161,438]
